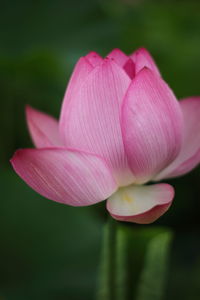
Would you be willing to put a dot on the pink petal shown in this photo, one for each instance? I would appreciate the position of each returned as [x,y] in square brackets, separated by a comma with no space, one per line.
[65,176]
[94,58]
[140,204]
[80,73]
[43,128]
[189,156]
[151,125]
[118,56]
[93,118]
[142,58]
[129,68]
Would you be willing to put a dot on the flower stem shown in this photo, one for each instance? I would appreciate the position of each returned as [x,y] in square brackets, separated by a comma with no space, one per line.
[134,262]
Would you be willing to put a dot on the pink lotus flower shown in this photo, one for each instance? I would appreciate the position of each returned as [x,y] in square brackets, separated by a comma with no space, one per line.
[120,127]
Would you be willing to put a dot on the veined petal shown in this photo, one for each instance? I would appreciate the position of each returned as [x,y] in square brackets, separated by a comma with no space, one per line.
[80,73]
[43,128]
[140,204]
[142,58]
[189,156]
[152,125]
[93,118]
[94,58]
[65,176]
[118,56]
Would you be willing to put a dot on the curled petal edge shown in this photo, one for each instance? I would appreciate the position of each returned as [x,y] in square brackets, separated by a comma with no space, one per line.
[145,216]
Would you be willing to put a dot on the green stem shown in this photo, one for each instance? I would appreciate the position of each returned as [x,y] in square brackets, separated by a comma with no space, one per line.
[107,267]
[121,270]
[134,262]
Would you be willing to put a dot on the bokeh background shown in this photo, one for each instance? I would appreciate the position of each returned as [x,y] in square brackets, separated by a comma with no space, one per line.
[48,250]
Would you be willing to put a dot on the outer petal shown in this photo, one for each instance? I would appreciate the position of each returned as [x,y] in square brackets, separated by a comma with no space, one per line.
[93,119]
[142,58]
[94,58]
[151,125]
[43,128]
[189,156]
[118,56]
[140,204]
[65,176]
[80,73]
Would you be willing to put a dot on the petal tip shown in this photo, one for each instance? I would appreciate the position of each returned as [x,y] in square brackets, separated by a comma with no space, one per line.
[28,109]
[118,56]
[29,112]
[141,50]
[93,58]
[142,57]
[92,53]
[15,159]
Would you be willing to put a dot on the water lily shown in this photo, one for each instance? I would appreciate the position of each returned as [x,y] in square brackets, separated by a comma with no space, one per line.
[120,128]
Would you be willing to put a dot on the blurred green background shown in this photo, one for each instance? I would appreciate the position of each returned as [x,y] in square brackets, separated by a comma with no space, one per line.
[48,250]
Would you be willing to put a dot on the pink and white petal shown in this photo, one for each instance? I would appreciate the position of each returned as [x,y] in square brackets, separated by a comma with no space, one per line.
[129,68]
[65,176]
[189,156]
[152,125]
[94,58]
[93,120]
[80,73]
[43,129]
[140,204]
[142,58]
[118,56]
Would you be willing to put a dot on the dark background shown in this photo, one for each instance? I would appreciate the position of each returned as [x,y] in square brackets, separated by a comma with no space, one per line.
[48,250]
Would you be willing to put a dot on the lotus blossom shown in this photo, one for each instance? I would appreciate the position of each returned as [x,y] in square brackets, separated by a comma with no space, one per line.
[120,128]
